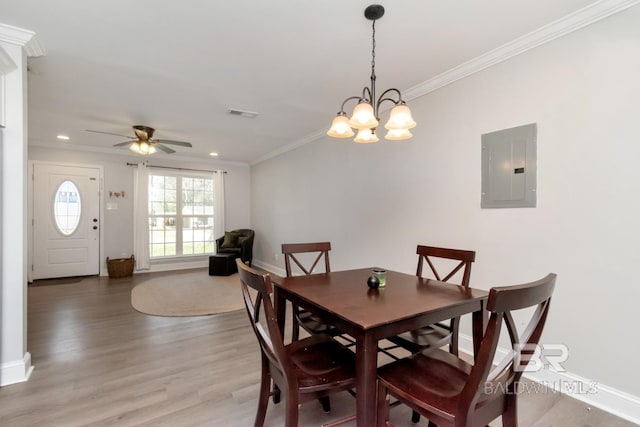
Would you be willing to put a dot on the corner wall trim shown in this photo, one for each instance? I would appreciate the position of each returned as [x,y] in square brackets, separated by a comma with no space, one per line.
[15,372]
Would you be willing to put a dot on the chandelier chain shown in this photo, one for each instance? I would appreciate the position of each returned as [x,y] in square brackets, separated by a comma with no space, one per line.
[373,50]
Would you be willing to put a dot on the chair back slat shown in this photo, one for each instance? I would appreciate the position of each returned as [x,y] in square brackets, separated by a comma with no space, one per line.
[503,301]
[427,253]
[290,250]
[264,325]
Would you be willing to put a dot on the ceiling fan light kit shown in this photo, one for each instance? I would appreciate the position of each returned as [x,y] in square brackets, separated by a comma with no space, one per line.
[141,147]
[144,143]
[365,117]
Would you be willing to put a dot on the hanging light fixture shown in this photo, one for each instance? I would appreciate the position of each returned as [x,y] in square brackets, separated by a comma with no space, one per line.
[365,114]
[142,147]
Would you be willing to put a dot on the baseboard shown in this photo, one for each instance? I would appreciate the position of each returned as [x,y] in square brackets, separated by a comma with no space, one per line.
[185,265]
[270,268]
[609,399]
[16,372]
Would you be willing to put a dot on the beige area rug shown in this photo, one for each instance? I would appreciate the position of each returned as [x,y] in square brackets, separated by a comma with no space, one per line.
[191,294]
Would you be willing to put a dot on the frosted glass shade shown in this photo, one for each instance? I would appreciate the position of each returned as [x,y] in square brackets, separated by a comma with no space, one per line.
[400,118]
[142,148]
[340,127]
[363,117]
[366,136]
[398,134]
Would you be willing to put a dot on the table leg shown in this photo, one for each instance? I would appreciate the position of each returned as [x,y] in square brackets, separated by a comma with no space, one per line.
[366,380]
[280,307]
[479,319]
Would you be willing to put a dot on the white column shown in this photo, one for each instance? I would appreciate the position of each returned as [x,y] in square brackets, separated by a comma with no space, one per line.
[15,360]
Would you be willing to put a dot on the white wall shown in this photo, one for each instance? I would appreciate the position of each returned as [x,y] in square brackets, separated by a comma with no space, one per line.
[118,225]
[376,202]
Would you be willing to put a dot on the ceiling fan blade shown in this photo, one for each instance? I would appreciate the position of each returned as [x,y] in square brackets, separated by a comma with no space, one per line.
[109,133]
[168,141]
[122,144]
[163,148]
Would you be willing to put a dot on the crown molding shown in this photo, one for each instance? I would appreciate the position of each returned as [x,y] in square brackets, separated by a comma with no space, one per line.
[570,23]
[563,26]
[25,38]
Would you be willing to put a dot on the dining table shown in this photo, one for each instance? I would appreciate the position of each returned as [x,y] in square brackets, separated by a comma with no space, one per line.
[406,302]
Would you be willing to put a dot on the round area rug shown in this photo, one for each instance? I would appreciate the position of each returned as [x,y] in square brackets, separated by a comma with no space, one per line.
[188,295]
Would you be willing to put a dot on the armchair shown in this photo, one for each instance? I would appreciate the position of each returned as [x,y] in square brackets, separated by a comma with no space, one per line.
[238,242]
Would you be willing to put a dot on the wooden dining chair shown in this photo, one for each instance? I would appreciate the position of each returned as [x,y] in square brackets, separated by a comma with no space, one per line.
[442,333]
[297,262]
[451,392]
[308,369]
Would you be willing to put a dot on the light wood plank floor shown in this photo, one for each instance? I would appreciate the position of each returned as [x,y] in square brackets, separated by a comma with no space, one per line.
[99,362]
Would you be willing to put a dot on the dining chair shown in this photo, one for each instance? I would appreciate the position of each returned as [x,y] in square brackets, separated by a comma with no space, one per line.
[451,392]
[308,369]
[297,262]
[442,333]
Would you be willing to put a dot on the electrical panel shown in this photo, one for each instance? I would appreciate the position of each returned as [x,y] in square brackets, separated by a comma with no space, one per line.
[509,168]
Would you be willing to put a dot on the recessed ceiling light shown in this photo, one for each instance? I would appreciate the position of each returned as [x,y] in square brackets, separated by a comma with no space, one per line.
[63,137]
[213,154]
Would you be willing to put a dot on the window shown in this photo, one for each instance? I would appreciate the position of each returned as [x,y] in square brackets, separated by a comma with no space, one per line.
[67,208]
[180,215]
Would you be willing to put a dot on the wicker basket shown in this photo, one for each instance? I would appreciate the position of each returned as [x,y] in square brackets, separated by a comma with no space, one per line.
[120,267]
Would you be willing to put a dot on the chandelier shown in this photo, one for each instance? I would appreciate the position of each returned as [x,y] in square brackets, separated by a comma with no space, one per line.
[365,117]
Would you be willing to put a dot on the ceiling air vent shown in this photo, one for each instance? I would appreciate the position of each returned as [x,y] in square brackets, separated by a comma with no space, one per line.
[242,113]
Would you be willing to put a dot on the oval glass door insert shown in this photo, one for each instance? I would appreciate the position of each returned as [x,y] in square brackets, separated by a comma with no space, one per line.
[67,208]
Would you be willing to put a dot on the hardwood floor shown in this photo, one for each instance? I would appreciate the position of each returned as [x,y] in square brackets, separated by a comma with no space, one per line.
[99,362]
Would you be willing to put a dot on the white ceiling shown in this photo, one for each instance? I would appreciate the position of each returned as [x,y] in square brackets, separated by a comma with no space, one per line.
[179,66]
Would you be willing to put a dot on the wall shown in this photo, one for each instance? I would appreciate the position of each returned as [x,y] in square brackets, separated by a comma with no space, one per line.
[376,202]
[118,225]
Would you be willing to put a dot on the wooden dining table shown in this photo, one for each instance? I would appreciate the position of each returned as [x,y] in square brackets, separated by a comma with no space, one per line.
[405,303]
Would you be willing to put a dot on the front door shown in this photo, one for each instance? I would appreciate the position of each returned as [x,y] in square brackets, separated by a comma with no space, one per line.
[66,220]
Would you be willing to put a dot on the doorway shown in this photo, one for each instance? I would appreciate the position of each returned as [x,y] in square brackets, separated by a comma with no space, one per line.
[66,220]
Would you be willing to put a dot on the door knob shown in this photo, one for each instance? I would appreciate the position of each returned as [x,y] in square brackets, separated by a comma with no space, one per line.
[95,219]
[95,227]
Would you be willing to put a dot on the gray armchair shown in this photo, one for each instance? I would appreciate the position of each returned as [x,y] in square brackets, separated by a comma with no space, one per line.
[238,242]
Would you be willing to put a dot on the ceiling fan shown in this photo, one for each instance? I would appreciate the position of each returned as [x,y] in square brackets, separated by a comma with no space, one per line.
[144,142]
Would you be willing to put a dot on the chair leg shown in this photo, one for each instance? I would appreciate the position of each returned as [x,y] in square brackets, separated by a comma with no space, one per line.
[263,399]
[382,406]
[415,417]
[326,404]
[510,415]
[291,410]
